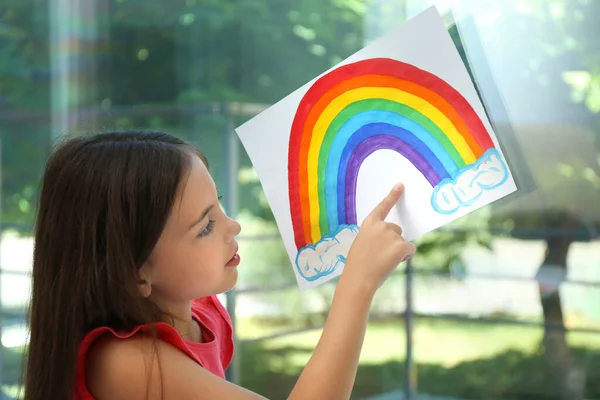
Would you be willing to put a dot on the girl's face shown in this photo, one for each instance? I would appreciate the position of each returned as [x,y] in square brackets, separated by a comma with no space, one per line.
[196,255]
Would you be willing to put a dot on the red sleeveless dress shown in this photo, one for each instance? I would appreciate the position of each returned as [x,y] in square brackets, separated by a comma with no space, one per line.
[214,354]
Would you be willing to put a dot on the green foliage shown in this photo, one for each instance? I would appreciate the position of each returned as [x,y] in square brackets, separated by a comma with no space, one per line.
[443,248]
[263,250]
[161,57]
[563,57]
[174,66]
[245,50]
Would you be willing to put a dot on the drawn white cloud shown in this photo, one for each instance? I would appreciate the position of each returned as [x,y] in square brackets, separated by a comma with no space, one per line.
[487,173]
[327,255]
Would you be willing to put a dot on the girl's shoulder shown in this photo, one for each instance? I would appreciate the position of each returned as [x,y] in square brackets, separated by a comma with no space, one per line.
[113,364]
[106,351]
[107,355]
[141,367]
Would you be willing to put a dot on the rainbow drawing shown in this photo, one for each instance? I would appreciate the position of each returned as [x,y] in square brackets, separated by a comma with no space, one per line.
[359,108]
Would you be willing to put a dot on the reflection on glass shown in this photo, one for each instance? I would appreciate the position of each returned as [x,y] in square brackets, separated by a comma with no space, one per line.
[484,286]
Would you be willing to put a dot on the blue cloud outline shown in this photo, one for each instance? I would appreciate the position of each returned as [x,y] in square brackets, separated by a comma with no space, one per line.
[341,258]
[448,181]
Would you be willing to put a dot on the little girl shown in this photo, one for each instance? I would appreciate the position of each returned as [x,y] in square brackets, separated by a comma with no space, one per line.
[131,247]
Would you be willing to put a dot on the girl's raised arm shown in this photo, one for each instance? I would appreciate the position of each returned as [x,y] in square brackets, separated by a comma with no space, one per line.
[141,369]
[375,253]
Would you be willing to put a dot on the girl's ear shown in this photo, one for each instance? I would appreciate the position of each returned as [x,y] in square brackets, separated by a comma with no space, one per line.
[145,288]
[144,283]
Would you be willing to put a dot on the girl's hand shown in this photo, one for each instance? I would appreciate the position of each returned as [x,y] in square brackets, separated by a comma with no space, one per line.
[378,247]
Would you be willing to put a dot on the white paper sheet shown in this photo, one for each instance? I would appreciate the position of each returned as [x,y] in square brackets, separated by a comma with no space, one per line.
[402,109]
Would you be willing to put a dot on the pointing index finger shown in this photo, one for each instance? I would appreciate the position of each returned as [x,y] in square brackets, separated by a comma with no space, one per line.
[384,207]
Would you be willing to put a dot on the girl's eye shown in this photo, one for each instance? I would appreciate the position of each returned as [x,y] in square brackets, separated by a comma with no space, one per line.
[209,228]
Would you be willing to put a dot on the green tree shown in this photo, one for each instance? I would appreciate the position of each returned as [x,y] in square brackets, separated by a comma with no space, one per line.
[23,98]
[562,58]
[156,64]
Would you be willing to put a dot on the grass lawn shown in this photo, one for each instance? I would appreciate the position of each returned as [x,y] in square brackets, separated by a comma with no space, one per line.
[462,359]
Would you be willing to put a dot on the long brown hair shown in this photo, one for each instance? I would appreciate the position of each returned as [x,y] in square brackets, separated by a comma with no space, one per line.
[104,201]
